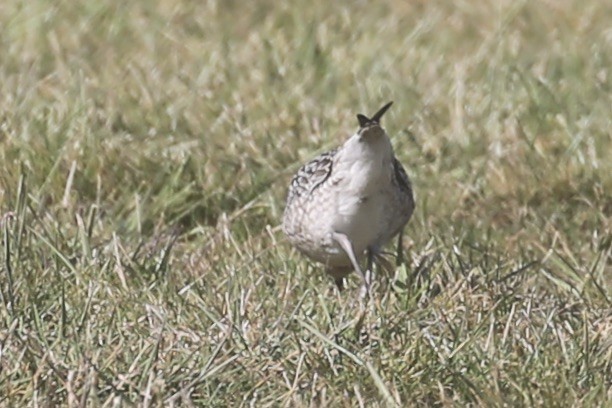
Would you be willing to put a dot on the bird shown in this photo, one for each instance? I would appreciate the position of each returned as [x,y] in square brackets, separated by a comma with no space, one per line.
[345,204]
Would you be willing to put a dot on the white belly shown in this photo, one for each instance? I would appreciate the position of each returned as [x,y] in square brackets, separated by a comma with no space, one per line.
[361,219]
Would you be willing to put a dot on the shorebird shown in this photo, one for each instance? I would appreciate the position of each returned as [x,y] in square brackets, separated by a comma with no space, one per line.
[349,202]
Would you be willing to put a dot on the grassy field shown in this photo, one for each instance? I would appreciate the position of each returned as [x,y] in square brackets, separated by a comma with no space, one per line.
[145,151]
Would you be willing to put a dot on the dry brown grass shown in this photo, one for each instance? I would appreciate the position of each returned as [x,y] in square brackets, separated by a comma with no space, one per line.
[145,148]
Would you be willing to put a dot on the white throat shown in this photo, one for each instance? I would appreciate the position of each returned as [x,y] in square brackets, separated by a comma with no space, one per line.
[365,162]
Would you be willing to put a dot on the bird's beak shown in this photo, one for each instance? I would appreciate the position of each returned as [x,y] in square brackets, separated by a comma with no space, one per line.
[378,115]
[365,122]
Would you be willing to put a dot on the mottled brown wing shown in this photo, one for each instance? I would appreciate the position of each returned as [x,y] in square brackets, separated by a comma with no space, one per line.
[401,178]
[311,175]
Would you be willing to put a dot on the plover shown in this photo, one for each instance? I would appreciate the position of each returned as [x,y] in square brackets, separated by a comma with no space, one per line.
[347,203]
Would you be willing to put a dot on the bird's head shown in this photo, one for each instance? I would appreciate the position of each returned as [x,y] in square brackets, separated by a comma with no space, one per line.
[371,128]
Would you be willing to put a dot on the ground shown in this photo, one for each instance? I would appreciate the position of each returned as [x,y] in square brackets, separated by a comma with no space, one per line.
[145,152]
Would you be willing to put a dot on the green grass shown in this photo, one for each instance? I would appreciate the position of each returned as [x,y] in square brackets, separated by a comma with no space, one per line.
[145,150]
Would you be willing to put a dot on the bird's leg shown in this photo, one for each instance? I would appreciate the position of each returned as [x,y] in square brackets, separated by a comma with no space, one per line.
[346,245]
[338,273]
[399,259]
[370,259]
[339,284]
[370,267]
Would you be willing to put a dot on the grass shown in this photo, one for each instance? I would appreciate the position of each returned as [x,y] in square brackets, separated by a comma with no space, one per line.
[145,150]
